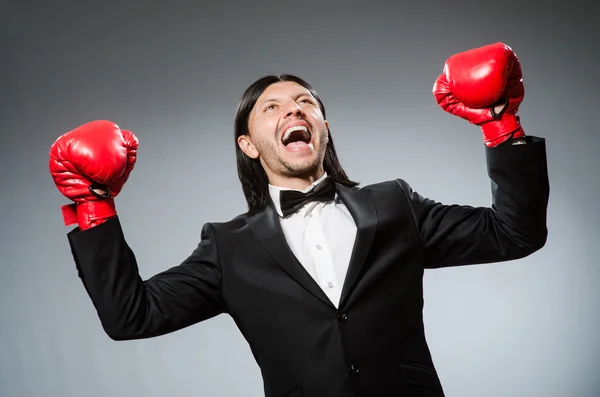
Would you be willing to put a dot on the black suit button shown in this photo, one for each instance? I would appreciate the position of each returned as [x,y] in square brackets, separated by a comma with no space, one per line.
[353,371]
[342,317]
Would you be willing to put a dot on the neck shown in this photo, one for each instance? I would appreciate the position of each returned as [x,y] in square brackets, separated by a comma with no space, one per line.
[298,182]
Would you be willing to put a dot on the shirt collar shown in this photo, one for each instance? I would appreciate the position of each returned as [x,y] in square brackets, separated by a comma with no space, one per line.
[275,190]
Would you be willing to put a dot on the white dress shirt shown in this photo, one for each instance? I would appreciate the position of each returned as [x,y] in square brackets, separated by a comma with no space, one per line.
[321,236]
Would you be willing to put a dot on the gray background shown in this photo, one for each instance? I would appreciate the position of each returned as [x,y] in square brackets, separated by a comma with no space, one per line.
[174,73]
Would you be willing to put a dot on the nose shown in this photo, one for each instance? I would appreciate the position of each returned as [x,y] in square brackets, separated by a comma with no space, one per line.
[293,109]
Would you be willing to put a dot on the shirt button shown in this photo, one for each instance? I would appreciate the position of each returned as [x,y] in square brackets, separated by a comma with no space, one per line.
[319,247]
[353,371]
[330,285]
[342,317]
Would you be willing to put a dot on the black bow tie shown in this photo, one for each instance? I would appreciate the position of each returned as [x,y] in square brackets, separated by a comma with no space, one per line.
[292,200]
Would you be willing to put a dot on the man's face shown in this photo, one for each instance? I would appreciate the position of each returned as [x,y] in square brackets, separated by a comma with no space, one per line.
[287,133]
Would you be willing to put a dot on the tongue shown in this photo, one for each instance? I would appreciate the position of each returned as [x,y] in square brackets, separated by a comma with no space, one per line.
[296,144]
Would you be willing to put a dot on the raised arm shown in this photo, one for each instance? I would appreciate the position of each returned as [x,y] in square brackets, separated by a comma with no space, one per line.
[485,87]
[90,165]
[130,308]
[512,227]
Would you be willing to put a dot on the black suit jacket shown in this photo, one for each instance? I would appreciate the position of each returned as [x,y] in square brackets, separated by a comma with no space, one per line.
[374,343]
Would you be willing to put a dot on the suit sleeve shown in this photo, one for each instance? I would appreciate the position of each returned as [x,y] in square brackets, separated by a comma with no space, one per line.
[131,308]
[514,226]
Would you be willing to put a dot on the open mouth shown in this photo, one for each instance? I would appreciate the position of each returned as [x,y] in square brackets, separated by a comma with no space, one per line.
[296,136]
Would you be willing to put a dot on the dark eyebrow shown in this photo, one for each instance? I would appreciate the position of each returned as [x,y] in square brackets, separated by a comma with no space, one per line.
[269,100]
[304,94]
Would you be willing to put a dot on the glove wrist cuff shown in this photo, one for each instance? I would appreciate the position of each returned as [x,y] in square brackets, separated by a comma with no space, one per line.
[89,213]
[498,131]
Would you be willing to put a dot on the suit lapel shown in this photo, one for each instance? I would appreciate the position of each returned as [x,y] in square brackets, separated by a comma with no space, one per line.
[265,225]
[360,204]
[267,229]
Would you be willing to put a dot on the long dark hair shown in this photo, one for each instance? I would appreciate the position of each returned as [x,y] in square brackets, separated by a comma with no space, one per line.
[253,177]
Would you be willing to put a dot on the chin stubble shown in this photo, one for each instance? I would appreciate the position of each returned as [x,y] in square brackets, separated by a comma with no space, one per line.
[270,154]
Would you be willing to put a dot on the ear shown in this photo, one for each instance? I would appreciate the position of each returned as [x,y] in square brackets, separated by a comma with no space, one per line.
[328,132]
[245,143]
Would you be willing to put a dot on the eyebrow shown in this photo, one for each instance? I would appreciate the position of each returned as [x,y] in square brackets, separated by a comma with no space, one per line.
[295,98]
[269,100]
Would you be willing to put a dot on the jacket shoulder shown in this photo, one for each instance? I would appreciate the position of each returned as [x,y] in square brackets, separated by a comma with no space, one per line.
[234,224]
[388,186]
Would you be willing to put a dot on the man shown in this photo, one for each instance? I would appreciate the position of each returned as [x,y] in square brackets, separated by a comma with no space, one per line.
[323,279]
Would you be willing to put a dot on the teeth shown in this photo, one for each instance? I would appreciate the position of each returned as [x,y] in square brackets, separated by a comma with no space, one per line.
[287,132]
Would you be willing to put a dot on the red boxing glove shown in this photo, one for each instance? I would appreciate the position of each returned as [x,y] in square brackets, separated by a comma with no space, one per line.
[475,82]
[96,155]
